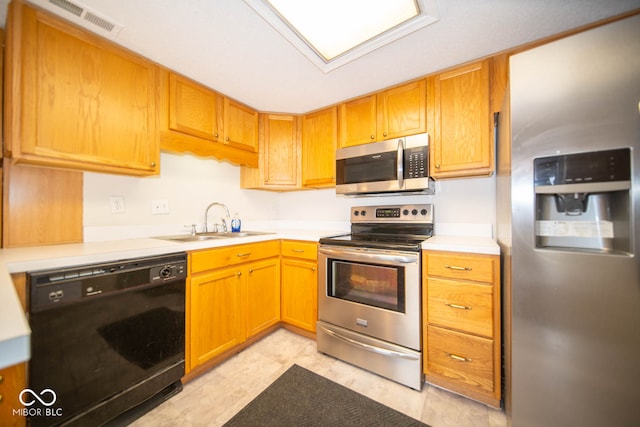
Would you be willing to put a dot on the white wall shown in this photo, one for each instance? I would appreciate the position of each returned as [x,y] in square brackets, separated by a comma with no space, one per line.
[190,184]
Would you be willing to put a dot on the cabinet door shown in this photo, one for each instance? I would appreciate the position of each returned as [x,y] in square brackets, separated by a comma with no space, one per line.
[300,293]
[402,111]
[215,314]
[194,109]
[82,102]
[281,151]
[12,382]
[240,125]
[263,295]
[358,121]
[319,143]
[462,124]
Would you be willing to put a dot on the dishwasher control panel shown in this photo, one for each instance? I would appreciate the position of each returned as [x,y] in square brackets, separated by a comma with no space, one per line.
[49,288]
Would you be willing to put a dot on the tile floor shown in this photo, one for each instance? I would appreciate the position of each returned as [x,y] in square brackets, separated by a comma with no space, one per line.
[213,398]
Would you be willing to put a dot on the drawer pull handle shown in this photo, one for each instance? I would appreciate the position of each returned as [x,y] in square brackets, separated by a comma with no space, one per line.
[461,307]
[458,358]
[243,255]
[299,251]
[455,267]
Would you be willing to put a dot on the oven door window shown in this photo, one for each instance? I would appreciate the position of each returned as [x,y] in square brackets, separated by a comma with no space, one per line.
[369,168]
[376,285]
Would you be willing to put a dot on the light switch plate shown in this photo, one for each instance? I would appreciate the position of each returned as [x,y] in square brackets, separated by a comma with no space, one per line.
[160,206]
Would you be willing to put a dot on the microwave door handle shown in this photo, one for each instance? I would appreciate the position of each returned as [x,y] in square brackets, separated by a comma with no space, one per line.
[400,163]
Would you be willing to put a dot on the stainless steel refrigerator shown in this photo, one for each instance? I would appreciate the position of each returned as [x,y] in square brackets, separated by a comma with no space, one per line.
[568,195]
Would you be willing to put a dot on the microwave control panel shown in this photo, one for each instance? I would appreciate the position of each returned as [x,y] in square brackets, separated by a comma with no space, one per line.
[415,162]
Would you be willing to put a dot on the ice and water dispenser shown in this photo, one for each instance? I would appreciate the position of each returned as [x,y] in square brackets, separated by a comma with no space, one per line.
[583,201]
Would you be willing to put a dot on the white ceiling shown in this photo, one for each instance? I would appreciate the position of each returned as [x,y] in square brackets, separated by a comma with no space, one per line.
[225,45]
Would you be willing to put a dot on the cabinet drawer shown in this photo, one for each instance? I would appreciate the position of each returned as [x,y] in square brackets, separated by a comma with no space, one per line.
[210,259]
[460,305]
[463,358]
[296,249]
[468,267]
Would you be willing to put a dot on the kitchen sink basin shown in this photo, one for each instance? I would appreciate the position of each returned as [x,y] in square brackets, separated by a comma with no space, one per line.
[198,237]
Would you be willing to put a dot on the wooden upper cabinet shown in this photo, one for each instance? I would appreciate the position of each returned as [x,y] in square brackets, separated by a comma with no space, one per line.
[279,155]
[461,129]
[392,113]
[358,121]
[75,100]
[240,125]
[319,143]
[198,120]
[194,109]
[402,110]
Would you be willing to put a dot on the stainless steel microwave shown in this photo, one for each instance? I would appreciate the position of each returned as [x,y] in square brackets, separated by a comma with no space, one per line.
[398,165]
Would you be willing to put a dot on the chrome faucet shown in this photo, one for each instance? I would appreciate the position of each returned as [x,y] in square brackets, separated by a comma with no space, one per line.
[215,226]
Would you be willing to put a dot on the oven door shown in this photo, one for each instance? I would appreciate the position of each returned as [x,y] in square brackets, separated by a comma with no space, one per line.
[372,292]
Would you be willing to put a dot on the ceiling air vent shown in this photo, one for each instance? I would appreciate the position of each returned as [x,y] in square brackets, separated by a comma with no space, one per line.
[100,22]
[86,15]
[68,6]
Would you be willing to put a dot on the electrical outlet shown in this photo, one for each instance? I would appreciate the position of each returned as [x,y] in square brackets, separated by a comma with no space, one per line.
[117,204]
[160,206]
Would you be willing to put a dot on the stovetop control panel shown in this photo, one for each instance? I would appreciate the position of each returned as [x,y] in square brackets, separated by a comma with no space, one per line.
[422,213]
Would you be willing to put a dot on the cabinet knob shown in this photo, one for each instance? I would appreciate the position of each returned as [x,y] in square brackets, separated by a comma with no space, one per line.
[215,135]
[372,137]
[226,139]
[313,269]
[153,164]
[239,273]
[384,134]
[437,165]
[250,270]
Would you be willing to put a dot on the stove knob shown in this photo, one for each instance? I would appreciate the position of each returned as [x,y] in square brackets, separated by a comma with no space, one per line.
[414,212]
[356,213]
[423,211]
[363,213]
[405,212]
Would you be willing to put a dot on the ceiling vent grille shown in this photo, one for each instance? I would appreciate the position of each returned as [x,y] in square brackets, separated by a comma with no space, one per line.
[100,22]
[88,16]
[68,6]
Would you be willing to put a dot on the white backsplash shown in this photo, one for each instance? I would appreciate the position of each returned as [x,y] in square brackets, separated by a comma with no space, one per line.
[190,184]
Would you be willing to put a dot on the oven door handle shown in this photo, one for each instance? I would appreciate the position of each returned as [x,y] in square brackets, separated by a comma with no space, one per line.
[403,259]
[400,164]
[368,347]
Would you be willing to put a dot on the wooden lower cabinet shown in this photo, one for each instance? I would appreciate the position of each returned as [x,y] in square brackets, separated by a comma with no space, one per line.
[233,293]
[263,295]
[461,324]
[215,314]
[12,382]
[300,284]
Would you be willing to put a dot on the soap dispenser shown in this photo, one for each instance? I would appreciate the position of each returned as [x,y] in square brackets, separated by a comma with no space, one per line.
[235,223]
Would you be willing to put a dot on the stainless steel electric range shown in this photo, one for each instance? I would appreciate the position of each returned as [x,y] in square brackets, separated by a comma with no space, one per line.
[369,291]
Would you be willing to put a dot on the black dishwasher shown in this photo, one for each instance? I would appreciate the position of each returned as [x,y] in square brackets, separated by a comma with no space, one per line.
[107,340]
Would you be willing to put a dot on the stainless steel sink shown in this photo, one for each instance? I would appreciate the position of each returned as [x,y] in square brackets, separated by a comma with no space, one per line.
[198,237]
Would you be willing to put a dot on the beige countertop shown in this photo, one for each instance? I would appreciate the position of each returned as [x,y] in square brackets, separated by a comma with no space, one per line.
[14,328]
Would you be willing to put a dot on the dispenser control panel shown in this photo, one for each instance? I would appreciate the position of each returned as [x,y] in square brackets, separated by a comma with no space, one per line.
[579,168]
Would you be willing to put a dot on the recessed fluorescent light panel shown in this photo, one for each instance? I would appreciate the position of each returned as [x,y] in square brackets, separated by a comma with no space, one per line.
[332,33]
